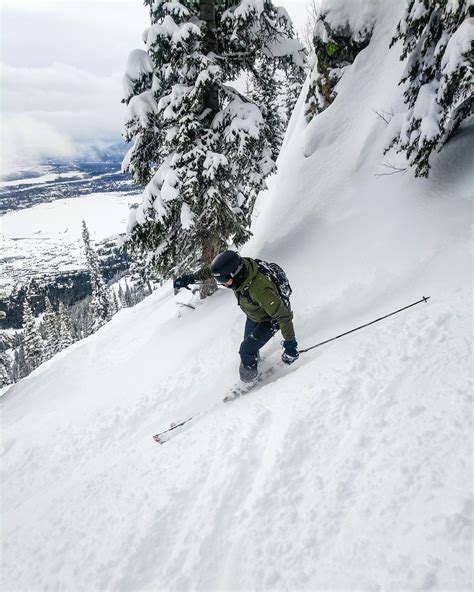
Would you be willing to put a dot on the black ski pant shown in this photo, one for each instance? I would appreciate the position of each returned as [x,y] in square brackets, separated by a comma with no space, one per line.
[256,336]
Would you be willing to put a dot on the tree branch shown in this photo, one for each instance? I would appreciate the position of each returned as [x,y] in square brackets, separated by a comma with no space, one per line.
[385,116]
[394,170]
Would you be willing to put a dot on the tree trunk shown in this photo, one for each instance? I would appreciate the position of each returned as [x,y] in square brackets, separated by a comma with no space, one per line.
[207,10]
[210,249]
[210,245]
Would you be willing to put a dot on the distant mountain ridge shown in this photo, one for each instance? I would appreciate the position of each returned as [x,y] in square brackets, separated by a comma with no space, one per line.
[99,172]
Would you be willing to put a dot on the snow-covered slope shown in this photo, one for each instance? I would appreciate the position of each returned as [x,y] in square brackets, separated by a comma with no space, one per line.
[349,470]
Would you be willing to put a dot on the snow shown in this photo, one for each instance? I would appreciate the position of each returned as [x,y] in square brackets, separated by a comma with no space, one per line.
[428,110]
[212,163]
[187,217]
[48,236]
[359,15]
[43,179]
[169,192]
[138,64]
[152,34]
[245,120]
[418,11]
[140,108]
[176,8]
[172,101]
[349,470]
[459,46]
[286,47]
[184,32]
[159,190]
[247,8]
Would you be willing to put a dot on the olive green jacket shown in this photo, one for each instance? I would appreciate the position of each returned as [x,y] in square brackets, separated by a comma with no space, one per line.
[265,302]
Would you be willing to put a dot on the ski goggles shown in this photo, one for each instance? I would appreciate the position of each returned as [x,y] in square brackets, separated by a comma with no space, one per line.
[223,279]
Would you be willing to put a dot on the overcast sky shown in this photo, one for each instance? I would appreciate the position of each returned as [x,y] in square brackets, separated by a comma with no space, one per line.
[61,69]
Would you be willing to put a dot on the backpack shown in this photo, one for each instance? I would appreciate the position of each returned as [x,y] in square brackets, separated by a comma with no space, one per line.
[276,274]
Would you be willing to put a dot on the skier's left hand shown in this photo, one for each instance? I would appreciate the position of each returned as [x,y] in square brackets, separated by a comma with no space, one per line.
[290,353]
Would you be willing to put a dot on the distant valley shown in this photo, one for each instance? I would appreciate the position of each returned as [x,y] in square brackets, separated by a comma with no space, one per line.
[58,179]
[41,223]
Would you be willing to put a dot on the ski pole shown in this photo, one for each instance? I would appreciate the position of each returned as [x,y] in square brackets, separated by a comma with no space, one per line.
[424,299]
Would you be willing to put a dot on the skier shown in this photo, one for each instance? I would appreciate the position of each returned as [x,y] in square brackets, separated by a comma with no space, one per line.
[259,298]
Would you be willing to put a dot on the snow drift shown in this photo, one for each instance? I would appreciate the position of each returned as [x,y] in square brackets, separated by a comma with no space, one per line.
[350,470]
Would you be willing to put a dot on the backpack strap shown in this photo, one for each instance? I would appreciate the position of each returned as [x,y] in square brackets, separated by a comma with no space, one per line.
[246,293]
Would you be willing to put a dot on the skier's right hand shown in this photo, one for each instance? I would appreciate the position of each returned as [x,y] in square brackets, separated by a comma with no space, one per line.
[183,281]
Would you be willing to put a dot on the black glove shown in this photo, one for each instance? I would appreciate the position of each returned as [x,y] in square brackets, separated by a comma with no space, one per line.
[290,353]
[183,281]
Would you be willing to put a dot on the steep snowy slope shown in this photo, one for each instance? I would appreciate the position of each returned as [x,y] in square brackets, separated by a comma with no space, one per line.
[350,470]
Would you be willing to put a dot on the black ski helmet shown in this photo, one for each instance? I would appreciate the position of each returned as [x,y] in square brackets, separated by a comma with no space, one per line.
[225,266]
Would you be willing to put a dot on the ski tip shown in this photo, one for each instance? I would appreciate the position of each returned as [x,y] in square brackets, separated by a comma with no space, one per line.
[157,439]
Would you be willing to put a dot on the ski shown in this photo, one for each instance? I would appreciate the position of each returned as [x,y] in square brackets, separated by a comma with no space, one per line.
[239,389]
[242,388]
[172,431]
[235,392]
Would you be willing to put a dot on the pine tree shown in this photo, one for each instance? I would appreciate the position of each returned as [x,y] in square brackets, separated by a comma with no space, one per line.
[115,302]
[100,304]
[121,296]
[437,38]
[140,271]
[127,296]
[51,330]
[265,91]
[20,367]
[200,146]
[5,370]
[294,81]
[33,344]
[66,331]
[5,364]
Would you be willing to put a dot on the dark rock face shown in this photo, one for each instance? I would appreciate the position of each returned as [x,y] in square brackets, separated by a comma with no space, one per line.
[336,49]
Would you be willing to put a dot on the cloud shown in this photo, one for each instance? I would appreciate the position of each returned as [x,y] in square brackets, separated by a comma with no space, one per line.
[61,76]
[62,71]
[94,36]
[56,111]
[26,141]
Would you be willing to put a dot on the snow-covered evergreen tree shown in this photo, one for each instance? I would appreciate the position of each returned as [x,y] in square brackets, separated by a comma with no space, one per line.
[200,146]
[33,344]
[293,85]
[5,363]
[125,295]
[438,38]
[66,331]
[266,90]
[50,328]
[5,369]
[100,304]
[115,302]
[20,367]
[121,296]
